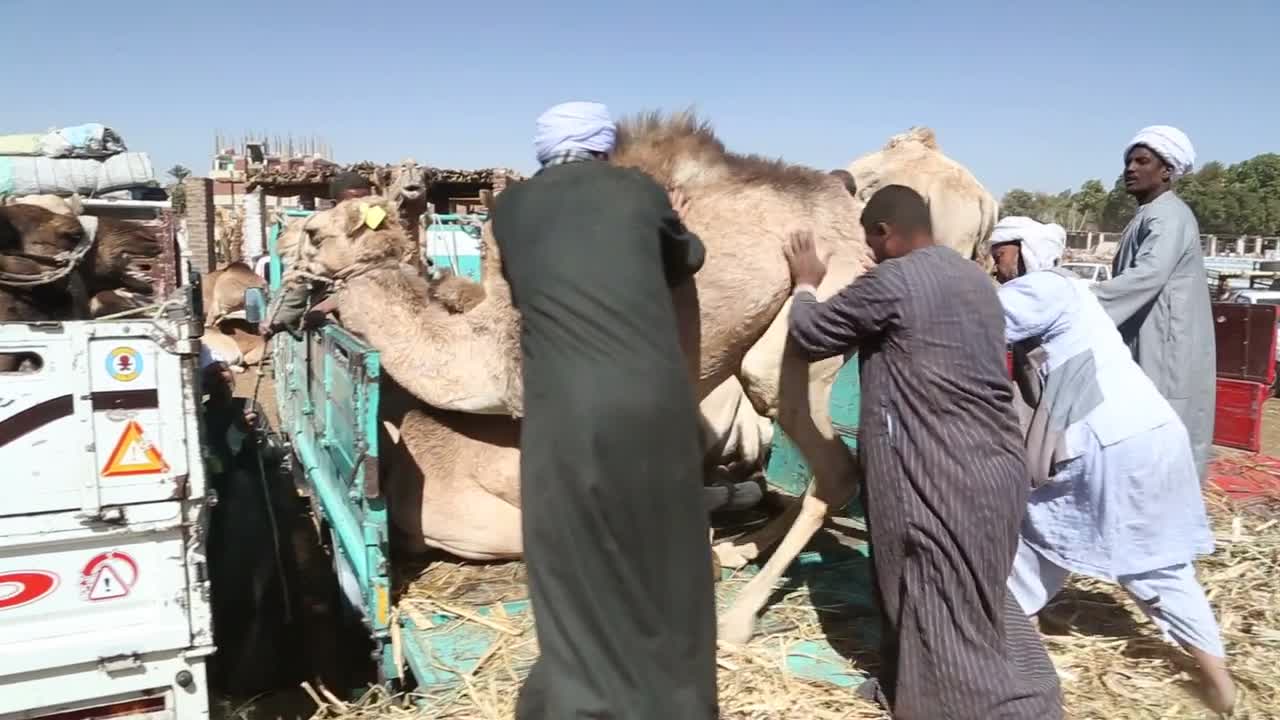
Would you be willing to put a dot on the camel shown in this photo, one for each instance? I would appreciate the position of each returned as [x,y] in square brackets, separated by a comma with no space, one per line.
[123,252]
[405,188]
[452,478]
[222,290]
[52,264]
[733,316]
[41,262]
[225,348]
[962,210]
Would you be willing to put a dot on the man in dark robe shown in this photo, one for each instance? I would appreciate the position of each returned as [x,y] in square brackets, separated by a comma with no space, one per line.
[945,480]
[615,530]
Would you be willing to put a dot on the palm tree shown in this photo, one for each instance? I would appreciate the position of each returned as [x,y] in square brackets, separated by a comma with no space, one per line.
[180,172]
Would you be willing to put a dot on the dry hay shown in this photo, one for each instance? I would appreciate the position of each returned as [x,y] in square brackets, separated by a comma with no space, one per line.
[1112,661]
[1115,665]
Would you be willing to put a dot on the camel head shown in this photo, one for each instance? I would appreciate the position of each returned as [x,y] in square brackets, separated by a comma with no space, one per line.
[408,187]
[360,232]
[124,255]
[31,237]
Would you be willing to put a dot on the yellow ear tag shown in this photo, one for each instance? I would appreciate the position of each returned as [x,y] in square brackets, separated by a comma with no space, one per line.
[372,215]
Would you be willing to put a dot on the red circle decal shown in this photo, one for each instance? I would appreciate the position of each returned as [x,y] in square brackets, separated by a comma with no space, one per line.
[25,587]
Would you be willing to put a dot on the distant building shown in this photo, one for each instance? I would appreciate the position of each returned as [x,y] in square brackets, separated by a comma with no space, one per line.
[233,168]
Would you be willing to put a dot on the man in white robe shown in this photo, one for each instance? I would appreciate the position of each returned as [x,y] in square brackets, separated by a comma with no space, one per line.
[1116,492]
[1159,293]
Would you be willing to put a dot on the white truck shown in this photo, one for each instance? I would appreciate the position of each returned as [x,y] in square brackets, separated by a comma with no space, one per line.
[104,597]
[1091,271]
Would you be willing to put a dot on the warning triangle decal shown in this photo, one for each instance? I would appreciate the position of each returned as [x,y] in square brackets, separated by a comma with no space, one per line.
[107,585]
[134,455]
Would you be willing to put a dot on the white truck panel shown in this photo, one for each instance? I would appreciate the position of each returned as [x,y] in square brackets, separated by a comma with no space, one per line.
[91,685]
[103,594]
[100,428]
[125,597]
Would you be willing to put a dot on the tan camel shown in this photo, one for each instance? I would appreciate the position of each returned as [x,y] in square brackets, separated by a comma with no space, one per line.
[425,360]
[224,348]
[733,318]
[453,477]
[406,187]
[222,290]
[962,210]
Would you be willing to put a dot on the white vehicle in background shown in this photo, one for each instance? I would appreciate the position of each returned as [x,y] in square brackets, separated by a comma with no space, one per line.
[1093,272]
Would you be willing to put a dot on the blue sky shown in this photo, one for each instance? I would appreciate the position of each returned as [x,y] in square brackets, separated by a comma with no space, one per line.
[1034,94]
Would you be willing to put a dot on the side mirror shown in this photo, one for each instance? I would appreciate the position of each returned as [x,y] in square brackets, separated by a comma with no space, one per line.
[255,305]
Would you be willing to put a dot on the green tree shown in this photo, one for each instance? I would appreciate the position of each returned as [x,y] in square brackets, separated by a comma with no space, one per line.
[1118,209]
[1091,200]
[178,193]
[1240,199]
[1017,202]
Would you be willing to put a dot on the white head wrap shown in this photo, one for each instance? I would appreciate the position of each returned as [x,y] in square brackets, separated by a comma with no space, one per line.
[585,126]
[1171,144]
[1042,245]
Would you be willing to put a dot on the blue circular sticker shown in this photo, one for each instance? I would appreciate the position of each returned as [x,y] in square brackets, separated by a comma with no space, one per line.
[124,364]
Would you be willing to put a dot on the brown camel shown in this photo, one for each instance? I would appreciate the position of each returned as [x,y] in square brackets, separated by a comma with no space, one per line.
[124,252]
[222,290]
[733,318]
[41,260]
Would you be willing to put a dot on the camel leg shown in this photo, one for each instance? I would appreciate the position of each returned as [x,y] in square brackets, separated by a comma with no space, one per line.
[803,412]
[737,624]
[781,384]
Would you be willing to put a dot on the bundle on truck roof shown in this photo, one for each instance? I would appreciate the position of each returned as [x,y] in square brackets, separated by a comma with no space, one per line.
[89,160]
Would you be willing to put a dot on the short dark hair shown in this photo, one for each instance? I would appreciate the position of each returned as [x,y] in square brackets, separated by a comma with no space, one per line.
[349,180]
[899,206]
[846,177]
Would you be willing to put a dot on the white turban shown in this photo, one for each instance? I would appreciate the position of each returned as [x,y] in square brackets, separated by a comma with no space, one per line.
[584,126]
[1171,144]
[1042,245]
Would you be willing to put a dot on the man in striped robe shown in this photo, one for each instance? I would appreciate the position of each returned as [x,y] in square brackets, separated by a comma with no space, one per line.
[946,480]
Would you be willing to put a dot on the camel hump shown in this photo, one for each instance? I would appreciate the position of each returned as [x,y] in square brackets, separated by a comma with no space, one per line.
[918,134]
